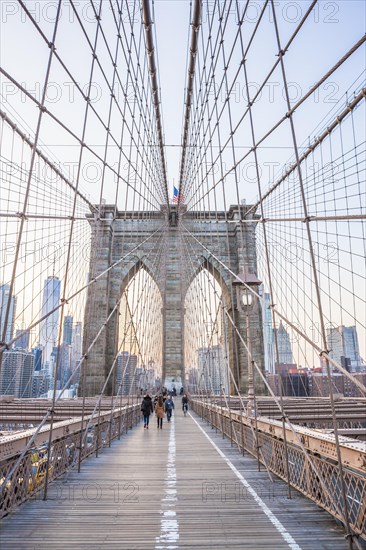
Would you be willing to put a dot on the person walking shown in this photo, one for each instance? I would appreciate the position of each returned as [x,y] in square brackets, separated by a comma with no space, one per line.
[146,409]
[169,406]
[159,411]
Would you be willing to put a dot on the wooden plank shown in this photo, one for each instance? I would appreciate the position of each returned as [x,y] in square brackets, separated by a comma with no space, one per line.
[168,488]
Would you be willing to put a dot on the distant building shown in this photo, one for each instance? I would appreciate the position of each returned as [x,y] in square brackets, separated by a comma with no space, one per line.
[76,349]
[319,384]
[49,325]
[295,384]
[37,352]
[23,337]
[67,332]
[313,383]
[41,383]
[284,345]
[290,384]
[6,333]
[268,337]
[210,363]
[64,365]
[16,375]
[126,375]
[193,380]
[344,349]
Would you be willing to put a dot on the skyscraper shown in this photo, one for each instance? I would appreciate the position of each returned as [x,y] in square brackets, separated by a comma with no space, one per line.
[37,352]
[284,345]
[4,299]
[23,341]
[126,372]
[67,333]
[49,325]
[343,346]
[269,350]
[77,343]
[16,376]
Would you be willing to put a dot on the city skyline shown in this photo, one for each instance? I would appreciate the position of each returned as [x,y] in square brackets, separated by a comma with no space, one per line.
[342,340]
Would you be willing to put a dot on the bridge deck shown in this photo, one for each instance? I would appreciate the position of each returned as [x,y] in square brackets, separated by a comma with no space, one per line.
[166,489]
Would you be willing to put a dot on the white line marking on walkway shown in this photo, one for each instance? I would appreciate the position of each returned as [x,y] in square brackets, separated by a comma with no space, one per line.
[273,519]
[169,526]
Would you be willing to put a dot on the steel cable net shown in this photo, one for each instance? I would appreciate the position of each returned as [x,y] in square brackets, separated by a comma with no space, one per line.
[82,159]
[81,133]
[251,139]
[80,130]
[261,133]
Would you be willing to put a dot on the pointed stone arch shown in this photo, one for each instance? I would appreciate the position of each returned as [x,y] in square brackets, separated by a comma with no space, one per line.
[137,234]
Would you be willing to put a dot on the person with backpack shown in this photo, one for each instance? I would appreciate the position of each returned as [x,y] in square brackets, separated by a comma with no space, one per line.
[159,411]
[169,406]
[146,409]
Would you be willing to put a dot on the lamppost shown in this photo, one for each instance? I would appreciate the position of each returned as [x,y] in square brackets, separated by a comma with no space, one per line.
[245,300]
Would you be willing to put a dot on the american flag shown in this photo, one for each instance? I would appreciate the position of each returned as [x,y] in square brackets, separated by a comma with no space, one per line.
[175,195]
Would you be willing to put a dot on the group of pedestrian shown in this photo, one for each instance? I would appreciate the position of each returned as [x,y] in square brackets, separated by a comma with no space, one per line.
[163,405]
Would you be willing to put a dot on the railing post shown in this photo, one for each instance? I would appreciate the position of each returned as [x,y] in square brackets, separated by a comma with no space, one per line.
[98,433]
[231,428]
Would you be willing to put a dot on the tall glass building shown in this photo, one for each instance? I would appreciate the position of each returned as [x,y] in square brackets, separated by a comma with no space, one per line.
[343,346]
[4,299]
[49,326]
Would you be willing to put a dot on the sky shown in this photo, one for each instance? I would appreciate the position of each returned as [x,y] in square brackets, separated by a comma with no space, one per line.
[331,30]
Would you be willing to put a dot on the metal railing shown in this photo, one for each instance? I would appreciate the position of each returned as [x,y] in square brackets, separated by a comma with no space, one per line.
[73,441]
[262,438]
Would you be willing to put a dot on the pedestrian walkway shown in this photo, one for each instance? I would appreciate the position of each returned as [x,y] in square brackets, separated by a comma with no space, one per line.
[182,487]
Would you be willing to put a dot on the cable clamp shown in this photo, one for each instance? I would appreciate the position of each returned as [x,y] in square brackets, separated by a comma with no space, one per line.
[64,301]
[4,345]
[21,215]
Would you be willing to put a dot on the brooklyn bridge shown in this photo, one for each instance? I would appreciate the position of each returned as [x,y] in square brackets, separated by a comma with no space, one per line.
[182,216]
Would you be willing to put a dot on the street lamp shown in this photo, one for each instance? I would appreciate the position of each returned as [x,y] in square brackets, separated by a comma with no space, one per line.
[245,283]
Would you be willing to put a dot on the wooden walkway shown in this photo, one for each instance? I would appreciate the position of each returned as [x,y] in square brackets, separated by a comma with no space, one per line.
[182,487]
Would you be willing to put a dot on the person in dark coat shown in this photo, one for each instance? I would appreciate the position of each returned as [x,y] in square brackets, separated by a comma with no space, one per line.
[147,409]
[169,406]
[185,404]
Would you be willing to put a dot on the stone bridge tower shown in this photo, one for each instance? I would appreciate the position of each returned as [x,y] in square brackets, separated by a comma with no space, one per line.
[213,238]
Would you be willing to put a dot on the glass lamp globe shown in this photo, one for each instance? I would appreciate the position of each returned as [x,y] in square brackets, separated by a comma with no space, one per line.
[247,298]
